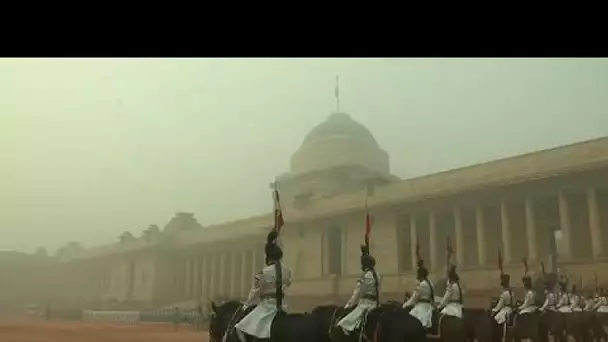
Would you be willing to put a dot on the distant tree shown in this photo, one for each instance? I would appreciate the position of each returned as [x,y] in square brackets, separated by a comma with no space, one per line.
[126,237]
[71,248]
[41,252]
[151,233]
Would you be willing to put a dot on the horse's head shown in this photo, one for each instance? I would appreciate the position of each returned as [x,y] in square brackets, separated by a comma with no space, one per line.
[220,317]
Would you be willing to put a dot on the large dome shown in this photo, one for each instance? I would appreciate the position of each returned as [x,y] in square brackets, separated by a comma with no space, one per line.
[339,124]
[339,141]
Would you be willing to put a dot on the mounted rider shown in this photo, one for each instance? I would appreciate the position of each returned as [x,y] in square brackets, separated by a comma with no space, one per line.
[367,292]
[451,303]
[529,304]
[563,302]
[602,302]
[589,305]
[550,296]
[575,301]
[269,287]
[504,307]
[423,297]
[365,296]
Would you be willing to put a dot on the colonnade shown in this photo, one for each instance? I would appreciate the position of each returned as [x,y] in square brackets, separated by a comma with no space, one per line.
[521,227]
[476,242]
[217,274]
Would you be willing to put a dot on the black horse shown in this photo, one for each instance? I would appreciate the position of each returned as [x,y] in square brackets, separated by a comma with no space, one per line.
[296,327]
[387,323]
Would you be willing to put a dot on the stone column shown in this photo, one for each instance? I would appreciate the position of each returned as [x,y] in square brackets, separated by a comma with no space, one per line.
[199,277]
[244,288]
[222,290]
[413,241]
[204,277]
[235,278]
[506,232]
[481,236]
[433,241]
[594,223]
[459,237]
[214,272]
[564,223]
[188,278]
[254,264]
[531,229]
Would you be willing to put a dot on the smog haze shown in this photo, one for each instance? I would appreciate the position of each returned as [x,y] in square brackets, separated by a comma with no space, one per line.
[93,147]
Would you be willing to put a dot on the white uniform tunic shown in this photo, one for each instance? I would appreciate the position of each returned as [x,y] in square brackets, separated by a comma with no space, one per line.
[563,305]
[422,299]
[575,303]
[452,301]
[529,304]
[549,303]
[589,304]
[602,304]
[503,307]
[364,297]
[259,321]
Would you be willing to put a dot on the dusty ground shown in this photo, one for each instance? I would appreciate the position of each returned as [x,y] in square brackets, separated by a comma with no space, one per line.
[29,330]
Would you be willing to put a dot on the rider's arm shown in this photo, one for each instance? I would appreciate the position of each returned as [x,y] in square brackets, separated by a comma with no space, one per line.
[355,297]
[255,290]
[500,304]
[446,297]
[546,303]
[414,298]
[527,301]
[286,279]
[597,304]
[561,302]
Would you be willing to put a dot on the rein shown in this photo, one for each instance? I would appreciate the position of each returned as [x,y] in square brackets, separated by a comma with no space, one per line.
[230,326]
[364,324]
[331,322]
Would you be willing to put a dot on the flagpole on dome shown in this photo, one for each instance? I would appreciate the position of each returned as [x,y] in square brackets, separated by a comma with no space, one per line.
[337,93]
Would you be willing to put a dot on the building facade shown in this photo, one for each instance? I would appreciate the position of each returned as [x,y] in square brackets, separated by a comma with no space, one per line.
[546,205]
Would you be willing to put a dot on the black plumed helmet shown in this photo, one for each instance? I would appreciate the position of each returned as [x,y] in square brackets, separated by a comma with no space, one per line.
[272,249]
[422,272]
[452,275]
[527,281]
[505,279]
[367,261]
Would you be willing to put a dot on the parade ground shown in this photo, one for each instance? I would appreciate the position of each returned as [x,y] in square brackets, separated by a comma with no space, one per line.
[30,330]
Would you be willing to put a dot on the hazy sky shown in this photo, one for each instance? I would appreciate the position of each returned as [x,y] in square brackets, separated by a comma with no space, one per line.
[90,148]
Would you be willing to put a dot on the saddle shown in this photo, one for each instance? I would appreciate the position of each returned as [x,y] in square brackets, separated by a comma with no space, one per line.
[368,329]
[278,327]
[434,331]
[511,319]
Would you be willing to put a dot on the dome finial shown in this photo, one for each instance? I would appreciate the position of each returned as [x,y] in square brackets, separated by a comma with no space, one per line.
[337,93]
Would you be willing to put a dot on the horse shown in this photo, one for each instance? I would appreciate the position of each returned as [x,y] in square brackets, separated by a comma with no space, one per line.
[296,327]
[481,326]
[386,323]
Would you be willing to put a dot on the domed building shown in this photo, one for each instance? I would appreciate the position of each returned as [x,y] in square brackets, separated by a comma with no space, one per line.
[338,156]
[518,205]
